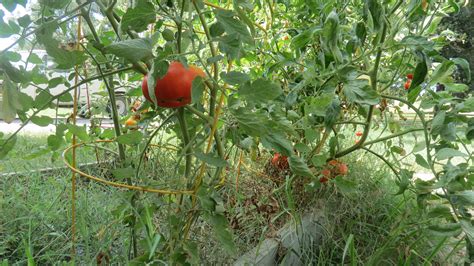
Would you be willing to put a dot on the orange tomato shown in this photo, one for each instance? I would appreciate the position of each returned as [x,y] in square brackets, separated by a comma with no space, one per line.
[358,133]
[174,89]
[131,122]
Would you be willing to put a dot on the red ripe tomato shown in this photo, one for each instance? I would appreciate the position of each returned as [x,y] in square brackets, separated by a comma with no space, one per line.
[284,162]
[174,89]
[280,161]
[410,76]
[342,169]
[323,180]
[326,173]
[275,159]
[407,84]
[358,133]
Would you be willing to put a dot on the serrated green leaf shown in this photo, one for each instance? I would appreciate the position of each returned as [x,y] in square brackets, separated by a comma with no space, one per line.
[211,160]
[442,72]
[6,147]
[446,230]
[139,17]
[79,131]
[216,29]
[131,138]
[440,211]
[261,90]
[438,122]
[42,121]
[232,25]
[465,197]
[168,35]
[419,75]
[197,89]
[421,161]
[299,167]
[133,50]
[54,142]
[235,77]
[278,142]
[123,173]
[10,100]
[221,230]
[446,153]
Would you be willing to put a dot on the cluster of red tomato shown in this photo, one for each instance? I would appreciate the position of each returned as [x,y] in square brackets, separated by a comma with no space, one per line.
[333,168]
[280,162]
[408,82]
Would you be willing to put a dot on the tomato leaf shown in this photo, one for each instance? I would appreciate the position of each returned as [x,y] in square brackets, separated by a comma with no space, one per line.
[357,89]
[197,89]
[442,72]
[332,113]
[232,25]
[440,211]
[54,142]
[278,142]
[123,173]
[10,100]
[421,161]
[465,197]
[42,121]
[79,131]
[220,227]
[404,181]
[446,153]
[259,91]
[251,123]
[331,35]
[64,58]
[231,45]
[234,77]
[6,147]
[438,122]
[133,50]
[211,160]
[139,17]
[465,67]
[299,167]
[420,73]
[445,230]
[131,138]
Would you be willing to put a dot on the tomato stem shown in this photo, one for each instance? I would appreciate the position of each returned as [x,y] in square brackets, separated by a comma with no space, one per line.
[188,148]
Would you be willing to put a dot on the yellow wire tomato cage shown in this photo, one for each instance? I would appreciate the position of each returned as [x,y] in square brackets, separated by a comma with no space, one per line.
[117,184]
